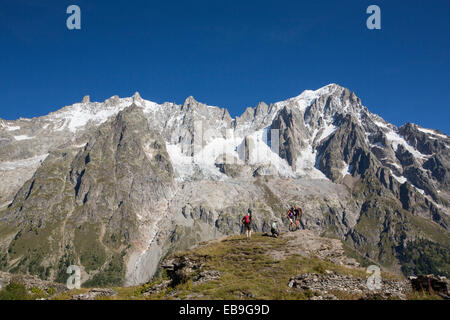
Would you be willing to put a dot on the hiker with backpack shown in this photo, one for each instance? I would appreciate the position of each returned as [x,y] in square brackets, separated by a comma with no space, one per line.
[298,216]
[290,216]
[247,221]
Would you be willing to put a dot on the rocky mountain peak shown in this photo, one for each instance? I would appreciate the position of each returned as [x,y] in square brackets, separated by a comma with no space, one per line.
[137,98]
[112,100]
[190,102]
[86,99]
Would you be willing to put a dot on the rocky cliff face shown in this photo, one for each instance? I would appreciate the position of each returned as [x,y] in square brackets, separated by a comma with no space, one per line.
[116,186]
[93,205]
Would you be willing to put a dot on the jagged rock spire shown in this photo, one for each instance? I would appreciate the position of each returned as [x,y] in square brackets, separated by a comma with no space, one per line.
[137,97]
[113,100]
[190,100]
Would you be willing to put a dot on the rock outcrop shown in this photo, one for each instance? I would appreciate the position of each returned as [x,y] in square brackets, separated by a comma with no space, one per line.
[322,287]
[31,282]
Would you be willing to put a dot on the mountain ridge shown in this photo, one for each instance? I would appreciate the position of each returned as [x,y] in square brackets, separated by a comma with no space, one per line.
[359,178]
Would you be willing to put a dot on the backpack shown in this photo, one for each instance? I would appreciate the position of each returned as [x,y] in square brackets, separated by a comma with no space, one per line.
[247,219]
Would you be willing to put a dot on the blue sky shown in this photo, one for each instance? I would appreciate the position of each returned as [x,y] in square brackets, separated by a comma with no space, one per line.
[227,53]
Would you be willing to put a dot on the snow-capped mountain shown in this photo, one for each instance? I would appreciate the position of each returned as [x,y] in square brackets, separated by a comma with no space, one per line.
[140,178]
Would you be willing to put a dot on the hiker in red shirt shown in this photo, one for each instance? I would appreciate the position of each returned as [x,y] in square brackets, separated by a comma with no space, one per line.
[247,221]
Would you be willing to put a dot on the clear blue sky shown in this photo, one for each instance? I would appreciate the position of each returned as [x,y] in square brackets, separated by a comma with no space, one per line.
[227,53]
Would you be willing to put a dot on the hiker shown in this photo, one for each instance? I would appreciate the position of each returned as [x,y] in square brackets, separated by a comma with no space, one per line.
[275,229]
[290,215]
[298,216]
[247,221]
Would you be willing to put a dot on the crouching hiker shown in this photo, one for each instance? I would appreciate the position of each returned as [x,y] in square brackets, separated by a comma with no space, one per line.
[275,229]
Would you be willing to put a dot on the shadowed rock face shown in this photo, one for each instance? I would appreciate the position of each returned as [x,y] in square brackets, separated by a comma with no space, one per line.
[115,186]
[435,145]
[292,134]
[346,145]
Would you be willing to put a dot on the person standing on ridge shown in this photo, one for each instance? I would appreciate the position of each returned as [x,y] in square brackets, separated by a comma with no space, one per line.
[290,216]
[247,221]
[298,216]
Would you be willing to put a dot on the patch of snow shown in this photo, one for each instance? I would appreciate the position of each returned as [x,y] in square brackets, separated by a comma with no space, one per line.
[12,128]
[422,192]
[80,145]
[377,145]
[305,165]
[307,97]
[329,129]
[347,169]
[182,164]
[22,137]
[401,179]
[395,165]
[396,139]
[150,106]
[429,131]
[148,151]
[381,124]
[79,114]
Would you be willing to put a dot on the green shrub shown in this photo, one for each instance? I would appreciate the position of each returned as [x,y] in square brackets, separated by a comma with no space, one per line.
[320,268]
[425,257]
[51,291]
[111,276]
[37,293]
[14,291]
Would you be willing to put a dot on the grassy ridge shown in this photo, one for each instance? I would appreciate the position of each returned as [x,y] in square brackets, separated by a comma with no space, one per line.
[248,271]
